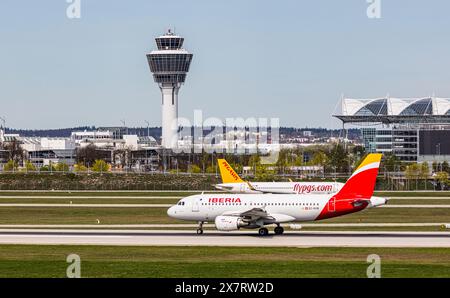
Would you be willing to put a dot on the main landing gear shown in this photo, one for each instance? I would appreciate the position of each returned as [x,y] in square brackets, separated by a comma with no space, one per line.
[263,232]
[278,230]
[200,228]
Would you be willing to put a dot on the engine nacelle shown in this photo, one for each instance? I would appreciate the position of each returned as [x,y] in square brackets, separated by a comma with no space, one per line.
[229,223]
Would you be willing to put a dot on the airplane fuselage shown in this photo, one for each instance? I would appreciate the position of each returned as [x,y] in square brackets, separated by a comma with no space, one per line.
[283,208]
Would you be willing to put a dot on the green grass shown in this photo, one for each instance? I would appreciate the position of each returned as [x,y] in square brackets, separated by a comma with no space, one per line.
[168,200]
[75,215]
[107,261]
[395,215]
[85,215]
[118,200]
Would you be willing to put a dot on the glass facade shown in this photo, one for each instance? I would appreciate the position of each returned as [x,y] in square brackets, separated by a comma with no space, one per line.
[169,62]
[169,43]
[420,107]
[368,135]
[169,78]
[375,108]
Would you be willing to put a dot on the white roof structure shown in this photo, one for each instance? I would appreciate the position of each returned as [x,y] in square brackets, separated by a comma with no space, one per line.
[394,110]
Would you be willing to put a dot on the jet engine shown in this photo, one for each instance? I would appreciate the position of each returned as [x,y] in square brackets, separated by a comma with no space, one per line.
[229,223]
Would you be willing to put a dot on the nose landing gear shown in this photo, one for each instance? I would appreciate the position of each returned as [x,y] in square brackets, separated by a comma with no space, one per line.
[200,228]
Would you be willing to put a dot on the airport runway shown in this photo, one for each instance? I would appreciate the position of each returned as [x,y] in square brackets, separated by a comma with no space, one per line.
[215,238]
[209,225]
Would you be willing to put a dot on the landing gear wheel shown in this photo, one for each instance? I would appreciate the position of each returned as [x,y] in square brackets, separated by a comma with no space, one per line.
[279,230]
[200,228]
[263,232]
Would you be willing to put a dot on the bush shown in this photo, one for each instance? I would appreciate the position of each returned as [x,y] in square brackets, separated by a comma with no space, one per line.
[100,166]
[47,168]
[195,169]
[62,167]
[211,170]
[30,167]
[11,165]
[80,168]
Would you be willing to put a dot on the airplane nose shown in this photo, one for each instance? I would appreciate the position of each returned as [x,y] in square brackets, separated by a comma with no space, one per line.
[171,211]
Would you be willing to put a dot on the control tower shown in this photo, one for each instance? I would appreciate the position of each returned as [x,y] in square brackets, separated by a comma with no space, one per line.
[169,65]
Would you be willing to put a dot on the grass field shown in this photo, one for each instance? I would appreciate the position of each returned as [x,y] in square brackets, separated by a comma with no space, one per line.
[84,215]
[50,261]
[187,193]
[167,200]
[93,200]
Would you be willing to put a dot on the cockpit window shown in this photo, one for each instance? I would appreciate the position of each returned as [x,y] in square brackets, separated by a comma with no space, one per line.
[180,203]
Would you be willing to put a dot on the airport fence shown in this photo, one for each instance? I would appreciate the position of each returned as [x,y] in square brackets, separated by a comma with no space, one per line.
[130,182]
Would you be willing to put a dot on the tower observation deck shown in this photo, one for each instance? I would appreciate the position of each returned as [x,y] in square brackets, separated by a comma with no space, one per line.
[169,65]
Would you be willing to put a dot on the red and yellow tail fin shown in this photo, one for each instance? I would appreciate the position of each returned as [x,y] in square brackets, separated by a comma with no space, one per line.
[227,172]
[361,183]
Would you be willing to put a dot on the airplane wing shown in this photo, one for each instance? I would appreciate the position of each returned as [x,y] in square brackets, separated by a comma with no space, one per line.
[254,215]
[251,215]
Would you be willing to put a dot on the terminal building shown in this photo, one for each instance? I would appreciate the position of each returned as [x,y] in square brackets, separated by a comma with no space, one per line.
[137,153]
[413,129]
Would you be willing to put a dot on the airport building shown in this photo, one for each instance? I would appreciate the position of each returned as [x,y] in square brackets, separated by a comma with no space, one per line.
[137,153]
[169,64]
[413,129]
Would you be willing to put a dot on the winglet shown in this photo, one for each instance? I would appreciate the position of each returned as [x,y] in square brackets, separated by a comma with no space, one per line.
[227,173]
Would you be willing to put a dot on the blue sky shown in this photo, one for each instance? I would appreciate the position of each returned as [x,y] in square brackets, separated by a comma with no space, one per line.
[252,58]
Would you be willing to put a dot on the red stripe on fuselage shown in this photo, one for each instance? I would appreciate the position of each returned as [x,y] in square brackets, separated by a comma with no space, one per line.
[341,207]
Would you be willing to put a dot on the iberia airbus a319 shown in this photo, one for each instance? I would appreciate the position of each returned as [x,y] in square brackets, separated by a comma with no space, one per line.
[250,211]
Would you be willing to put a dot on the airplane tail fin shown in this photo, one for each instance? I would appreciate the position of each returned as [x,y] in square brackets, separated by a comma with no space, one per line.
[227,173]
[361,183]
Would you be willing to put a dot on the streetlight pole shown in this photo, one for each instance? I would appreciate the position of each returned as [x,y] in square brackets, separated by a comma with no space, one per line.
[148,128]
[124,125]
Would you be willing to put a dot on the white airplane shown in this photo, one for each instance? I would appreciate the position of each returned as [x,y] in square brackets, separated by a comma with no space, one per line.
[231,182]
[232,212]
